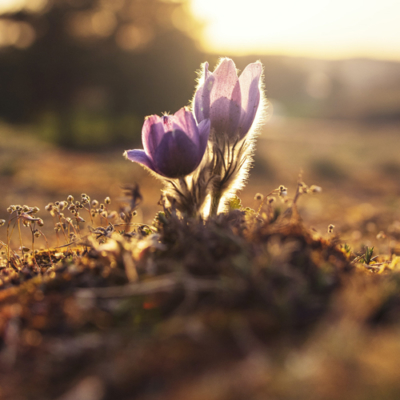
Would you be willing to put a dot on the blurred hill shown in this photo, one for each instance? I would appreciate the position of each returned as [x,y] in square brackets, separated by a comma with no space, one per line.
[358,89]
[84,73]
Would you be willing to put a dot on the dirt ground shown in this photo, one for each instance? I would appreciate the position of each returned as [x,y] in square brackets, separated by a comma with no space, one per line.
[250,305]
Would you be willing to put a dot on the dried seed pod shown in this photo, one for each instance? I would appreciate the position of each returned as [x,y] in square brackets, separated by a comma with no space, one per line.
[381,235]
[315,189]
[282,190]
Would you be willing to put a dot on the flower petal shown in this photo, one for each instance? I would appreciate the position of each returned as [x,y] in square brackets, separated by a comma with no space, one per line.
[225,99]
[177,155]
[140,157]
[202,96]
[184,121]
[152,134]
[204,133]
[167,121]
[250,90]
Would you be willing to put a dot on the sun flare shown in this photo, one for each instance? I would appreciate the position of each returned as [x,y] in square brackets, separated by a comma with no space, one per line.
[322,28]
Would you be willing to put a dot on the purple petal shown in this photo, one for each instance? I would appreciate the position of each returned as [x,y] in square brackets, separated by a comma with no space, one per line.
[249,86]
[177,155]
[185,122]
[204,133]
[206,71]
[202,96]
[225,99]
[140,157]
[152,134]
[167,121]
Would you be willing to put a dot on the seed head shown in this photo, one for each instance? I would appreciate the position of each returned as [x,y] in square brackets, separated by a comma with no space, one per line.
[381,235]
[107,200]
[282,190]
[70,198]
[330,228]
[95,203]
[315,189]
[259,197]
[40,222]
[2,222]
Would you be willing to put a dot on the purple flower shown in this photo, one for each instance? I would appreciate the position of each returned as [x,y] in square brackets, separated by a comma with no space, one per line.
[229,101]
[173,145]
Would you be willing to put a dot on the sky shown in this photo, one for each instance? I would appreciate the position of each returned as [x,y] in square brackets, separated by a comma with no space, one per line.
[316,28]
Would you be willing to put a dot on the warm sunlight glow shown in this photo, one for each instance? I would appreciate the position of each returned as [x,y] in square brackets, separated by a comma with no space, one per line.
[318,28]
[17,5]
[11,5]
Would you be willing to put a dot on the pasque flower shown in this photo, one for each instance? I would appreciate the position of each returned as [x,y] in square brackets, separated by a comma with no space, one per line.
[174,145]
[229,101]
[232,104]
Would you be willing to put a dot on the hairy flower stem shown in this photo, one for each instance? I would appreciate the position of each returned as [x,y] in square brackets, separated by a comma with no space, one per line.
[215,200]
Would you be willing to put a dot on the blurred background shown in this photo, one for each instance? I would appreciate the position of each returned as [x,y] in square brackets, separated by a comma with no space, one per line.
[77,78]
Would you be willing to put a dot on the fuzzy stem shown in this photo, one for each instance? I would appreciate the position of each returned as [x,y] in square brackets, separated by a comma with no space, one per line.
[215,200]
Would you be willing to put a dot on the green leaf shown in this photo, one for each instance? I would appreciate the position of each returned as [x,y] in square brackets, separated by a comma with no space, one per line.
[235,204]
